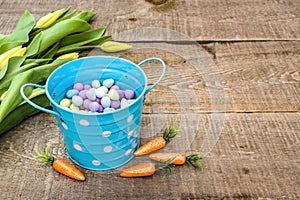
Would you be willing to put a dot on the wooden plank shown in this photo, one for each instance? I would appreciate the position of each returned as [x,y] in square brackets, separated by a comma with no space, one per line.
[216,20]
[232,77]
[256,157]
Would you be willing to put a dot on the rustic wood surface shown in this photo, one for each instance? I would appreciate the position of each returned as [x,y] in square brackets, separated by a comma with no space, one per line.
[232,83]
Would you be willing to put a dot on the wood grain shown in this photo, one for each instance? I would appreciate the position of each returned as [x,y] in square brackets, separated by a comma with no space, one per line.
[255,157]
[234,77]
[201,20]
[232,83]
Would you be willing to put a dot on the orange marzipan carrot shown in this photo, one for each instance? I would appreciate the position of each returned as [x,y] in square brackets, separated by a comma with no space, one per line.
[176,158]
[158,142]
[60,165]
[152,145]
[179,158]
[144,169]
[67,169]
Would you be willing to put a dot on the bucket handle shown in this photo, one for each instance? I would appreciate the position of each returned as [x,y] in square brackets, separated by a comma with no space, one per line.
[161,76]
[33,104]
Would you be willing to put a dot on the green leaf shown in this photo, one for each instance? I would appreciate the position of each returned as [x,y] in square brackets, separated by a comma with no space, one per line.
[86,16]
[89,46]
[36,61]
[82,38]
[3,71]
[34,45]
[22,112]
[12,65]
[20,34]
[35,75]
[101,40]
[49,36]
[67,16]
[51,52]
[65,12]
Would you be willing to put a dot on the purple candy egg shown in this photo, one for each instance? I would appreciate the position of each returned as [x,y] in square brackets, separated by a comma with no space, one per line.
[129,94]
[94,106]
[87,86]
[82,94]
[115,87]
[86,103]
[98,100]
[100,110]
[115,104]
[78,86]
[121,93]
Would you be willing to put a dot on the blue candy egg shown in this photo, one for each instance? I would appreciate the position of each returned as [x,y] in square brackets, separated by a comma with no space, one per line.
[105,102]
[71,93]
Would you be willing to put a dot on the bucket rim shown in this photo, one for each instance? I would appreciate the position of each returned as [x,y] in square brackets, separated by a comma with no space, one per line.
[96,113]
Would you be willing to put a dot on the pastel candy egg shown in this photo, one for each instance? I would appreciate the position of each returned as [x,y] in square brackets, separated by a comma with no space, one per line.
[100,92]
[100,109]
[130,100]
[82,94]
[108,109]
[121,93]
[77,100]
[115,87]
[104,88]
[86,103]
[91,94]
[74,108]
[65,103]
[78,86]
[115,104]
[129,94]
[108,82]
[96,84]
[124,103]
[94,106]
[105,102]
[71,93]
[113,94]
[98,100]
[86,87]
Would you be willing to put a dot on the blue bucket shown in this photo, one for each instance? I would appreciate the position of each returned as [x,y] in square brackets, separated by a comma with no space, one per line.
[98,141]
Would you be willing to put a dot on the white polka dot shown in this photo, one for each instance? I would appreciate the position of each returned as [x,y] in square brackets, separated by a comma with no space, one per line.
[128,152]
[106,133]
[129,134]
[133,143]
[129,118]
[84,122]
[96,162]
[77,147]
[64,125]
[107,149]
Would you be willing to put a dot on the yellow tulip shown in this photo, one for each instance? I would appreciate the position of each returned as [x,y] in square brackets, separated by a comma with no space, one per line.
[69,55]
[17,51]
[112,46]
[48,19]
